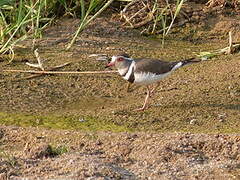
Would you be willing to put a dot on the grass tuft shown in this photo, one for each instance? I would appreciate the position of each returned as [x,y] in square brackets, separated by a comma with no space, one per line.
[24,19]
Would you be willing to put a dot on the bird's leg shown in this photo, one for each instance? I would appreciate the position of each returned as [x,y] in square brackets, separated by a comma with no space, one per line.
[146,100]
[153,89]
[128,86]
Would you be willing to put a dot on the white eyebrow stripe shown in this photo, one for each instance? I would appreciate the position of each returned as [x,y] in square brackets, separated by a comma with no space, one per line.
[114,58]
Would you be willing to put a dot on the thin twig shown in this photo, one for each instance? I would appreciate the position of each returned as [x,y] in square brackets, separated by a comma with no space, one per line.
[38,75]
[230,48]
[39,64]
[148,19]
[58,72]
[50,69]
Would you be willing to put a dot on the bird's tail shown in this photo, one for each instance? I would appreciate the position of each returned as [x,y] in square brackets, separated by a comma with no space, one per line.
[185,62]
[190,61]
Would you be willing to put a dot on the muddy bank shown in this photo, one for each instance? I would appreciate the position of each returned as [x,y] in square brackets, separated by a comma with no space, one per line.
[107,155]
[199,98]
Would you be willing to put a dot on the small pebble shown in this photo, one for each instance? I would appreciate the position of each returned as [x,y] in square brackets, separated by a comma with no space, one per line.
[81,120]
[193,121]
[222,117]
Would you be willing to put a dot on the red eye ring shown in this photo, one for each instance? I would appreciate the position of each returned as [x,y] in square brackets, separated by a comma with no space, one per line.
[120,59]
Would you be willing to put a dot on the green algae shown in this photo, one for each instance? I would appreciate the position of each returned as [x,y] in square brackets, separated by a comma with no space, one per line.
[87,123]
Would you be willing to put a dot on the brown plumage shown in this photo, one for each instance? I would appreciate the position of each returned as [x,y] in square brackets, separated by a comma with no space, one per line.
[159,67]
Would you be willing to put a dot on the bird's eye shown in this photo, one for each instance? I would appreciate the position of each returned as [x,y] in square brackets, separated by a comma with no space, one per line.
[120,59]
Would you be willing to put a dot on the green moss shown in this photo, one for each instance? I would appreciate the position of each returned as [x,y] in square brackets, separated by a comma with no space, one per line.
[53,151]
[59,122]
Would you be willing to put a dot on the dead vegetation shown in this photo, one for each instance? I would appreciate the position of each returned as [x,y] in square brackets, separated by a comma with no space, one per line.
[158,16]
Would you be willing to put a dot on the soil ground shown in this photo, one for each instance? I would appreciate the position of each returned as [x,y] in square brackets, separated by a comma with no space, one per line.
[108,155]
[84,127]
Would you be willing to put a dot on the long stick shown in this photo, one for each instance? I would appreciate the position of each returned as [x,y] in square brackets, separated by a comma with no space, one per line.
[38,75]
[59,72]
[230,48]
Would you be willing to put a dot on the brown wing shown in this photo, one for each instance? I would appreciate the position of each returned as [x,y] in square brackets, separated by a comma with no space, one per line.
[154,66]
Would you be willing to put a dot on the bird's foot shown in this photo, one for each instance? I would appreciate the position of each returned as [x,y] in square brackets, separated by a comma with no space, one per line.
[140,109]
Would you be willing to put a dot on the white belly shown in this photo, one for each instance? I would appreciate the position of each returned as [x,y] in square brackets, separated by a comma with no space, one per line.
[148,78]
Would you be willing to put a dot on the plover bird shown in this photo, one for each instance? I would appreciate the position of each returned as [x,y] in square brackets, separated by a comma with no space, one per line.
[146,71]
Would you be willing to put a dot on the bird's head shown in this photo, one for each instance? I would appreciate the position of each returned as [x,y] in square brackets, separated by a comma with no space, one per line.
[120,61]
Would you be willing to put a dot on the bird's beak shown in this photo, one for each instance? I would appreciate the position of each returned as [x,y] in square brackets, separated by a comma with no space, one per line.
[110,64]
